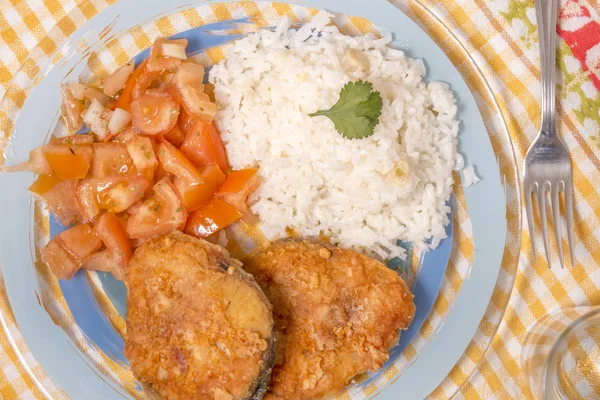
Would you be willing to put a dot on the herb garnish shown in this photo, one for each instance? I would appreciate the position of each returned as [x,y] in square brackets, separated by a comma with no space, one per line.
[357,112]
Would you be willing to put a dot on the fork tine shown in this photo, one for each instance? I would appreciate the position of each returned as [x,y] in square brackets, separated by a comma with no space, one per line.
[557,221]
[530,221]
[541,195]
[568,187]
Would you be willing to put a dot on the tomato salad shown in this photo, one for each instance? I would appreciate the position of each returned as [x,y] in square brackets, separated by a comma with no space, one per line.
[152,163]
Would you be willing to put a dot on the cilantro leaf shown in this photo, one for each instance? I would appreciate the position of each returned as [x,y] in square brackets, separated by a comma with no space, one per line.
[357,112]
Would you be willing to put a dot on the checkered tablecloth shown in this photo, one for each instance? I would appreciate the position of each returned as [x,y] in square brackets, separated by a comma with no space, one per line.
[500,35]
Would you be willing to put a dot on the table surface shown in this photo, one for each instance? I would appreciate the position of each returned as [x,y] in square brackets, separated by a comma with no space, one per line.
[501,37]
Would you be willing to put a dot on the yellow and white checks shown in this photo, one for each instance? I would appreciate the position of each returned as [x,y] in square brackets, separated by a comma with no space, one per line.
[498,38]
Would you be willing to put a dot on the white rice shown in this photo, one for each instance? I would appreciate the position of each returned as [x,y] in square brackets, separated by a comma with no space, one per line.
[469,176]
[365,194]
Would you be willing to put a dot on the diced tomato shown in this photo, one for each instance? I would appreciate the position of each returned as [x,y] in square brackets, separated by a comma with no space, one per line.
[68,161]
[211,218]
[124,99]
[84,93]
[188,81]
[114,237]
[134,207]
[186,122]
[162,213]
[80,241]
[43,184]
[122,194]
[174,162]
[87,138]
[86,199]
[195,194]
[113,83]
[125,136]
[159,63]
[237,187]
[175,136]
[73,108]
[60,262]
[111,159]
[155,113]
[146,80]
[104,261]
[61,202]
[113,193]
[141,151]
[160,173]
[203,146]
[37,163]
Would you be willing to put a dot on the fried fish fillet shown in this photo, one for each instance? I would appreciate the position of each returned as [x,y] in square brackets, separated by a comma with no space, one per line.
[199,327]
[337,314]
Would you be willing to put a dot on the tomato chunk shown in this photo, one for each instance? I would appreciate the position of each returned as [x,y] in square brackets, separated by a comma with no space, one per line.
[114,194]
[73,108]
[141,151]
[37,163]
[60,262]
[195,194]
[80,242]
[43,184]
[87,138]
[104,261]
[188,81]
[211,218]
[68,161]
[114,237]
[146,80]
[161,213]
[157,62]
[237,187]
[111,159]
[203,146]
[124,99]
[175,136]
[86,199]
[155,113]
[174,162]
[122,194]
[60,199]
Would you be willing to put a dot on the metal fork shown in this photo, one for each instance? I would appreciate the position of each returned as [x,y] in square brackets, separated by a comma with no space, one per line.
[547,163]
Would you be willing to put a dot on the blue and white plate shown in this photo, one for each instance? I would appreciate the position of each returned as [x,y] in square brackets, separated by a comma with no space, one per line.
[74,329]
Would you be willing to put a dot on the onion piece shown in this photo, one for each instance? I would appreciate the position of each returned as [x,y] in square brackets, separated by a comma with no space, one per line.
[114,82]
[73,108]
[83,92]
[174,50]
[93,112]
[119,120]
[37,164]
[93,119]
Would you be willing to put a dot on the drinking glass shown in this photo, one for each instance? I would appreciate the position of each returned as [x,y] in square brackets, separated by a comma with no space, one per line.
[561,355]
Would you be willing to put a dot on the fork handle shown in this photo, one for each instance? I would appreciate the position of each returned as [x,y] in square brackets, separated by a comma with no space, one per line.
[546,11]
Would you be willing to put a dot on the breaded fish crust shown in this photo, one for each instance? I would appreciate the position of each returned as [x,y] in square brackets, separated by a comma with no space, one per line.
[337,314]
[199,327]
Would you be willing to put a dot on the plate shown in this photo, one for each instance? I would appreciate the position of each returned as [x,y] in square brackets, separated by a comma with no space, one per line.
[82,319]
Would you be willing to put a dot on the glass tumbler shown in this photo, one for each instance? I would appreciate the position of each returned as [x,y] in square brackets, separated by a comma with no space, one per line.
[561,355]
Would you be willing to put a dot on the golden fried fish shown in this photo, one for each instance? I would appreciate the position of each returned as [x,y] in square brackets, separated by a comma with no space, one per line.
[199,327]
[337,314]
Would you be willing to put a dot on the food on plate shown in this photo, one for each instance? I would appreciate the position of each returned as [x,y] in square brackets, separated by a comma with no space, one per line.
[307,130]
[356,113]
[199,327]
[337,314]
[366,193]
[151,157]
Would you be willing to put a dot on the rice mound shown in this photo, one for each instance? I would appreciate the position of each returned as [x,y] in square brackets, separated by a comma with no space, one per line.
[364,194]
